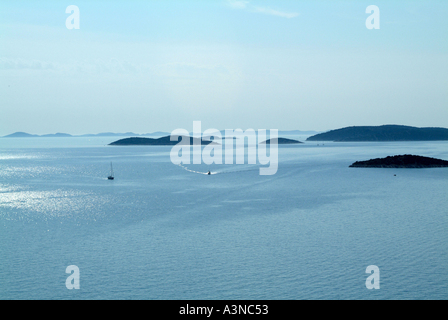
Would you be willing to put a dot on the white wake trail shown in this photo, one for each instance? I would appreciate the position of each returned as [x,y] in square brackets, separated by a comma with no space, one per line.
[206,173]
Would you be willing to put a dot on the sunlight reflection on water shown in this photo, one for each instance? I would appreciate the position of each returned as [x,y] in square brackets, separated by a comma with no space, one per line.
[159,231]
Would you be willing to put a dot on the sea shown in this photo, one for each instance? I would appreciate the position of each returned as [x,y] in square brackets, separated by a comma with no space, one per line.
[163,231]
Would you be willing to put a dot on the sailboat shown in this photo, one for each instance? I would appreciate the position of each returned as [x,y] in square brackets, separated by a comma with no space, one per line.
[111,177]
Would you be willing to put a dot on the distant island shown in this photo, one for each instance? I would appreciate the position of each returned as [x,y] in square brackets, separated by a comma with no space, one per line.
[382,133]
[282,141]
[355,133]
[103,134]
[126,134]
[166,141]
[163,141]
[131,134]
[21,135]
[282,133]
[401,161]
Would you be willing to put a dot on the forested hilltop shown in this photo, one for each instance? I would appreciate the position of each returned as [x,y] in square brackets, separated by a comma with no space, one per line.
[382,133]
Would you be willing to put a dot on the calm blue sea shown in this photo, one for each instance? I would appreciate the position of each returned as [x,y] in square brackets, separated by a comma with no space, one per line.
[160,231]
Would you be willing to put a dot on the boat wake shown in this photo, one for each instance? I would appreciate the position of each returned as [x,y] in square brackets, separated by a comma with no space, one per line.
[206,173]
[224,170]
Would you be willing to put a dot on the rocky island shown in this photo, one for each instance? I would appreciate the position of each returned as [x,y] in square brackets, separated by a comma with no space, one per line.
[401,161]
[382,133]
[282,141]
[163,141]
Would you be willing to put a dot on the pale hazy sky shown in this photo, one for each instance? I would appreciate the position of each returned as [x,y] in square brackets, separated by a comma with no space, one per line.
[146,66]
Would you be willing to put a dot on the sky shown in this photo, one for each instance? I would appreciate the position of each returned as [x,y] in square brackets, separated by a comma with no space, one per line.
[146,66]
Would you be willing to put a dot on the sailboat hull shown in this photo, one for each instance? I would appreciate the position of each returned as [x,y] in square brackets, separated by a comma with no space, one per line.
[111,177]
